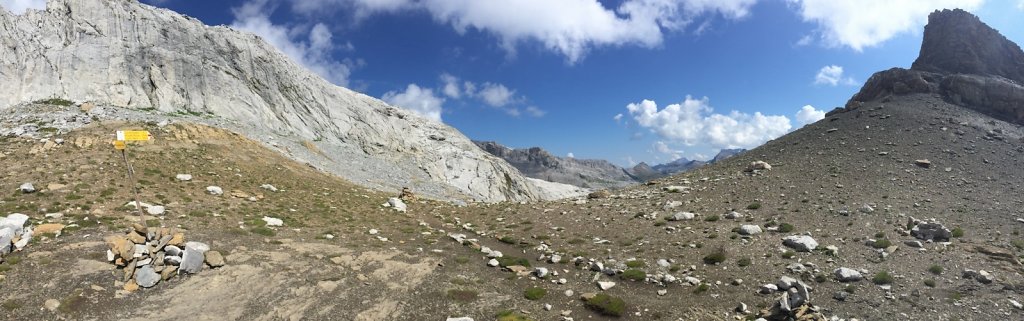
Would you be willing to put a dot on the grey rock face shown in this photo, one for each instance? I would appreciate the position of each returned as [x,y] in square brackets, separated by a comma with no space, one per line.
[963,60]
[536,162]
[175,64]
[931,231]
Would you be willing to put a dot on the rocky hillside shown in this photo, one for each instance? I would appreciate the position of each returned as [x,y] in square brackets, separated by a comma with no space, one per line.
[537,163]
[964,61]
[125,54]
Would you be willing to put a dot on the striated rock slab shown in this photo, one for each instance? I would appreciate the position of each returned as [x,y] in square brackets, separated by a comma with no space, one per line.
[176,65]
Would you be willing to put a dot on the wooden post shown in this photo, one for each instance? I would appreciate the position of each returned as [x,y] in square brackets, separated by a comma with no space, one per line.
[134,188]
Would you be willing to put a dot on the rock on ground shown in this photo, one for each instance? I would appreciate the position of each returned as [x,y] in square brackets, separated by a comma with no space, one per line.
[800,243]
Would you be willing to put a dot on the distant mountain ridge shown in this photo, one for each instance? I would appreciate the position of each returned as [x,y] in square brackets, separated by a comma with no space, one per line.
[535,162]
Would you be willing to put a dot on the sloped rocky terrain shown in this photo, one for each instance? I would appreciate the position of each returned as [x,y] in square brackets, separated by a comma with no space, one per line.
[169,63]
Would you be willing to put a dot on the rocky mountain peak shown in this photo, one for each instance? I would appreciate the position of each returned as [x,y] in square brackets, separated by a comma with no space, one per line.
[963,61]
[957,42]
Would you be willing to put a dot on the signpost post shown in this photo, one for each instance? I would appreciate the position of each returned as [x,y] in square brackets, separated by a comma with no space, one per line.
[120,144]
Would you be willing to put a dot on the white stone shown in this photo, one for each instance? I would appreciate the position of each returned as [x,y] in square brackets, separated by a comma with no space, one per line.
[27,188]
[750,229]
[733,215]
[540,272]
[493,263]
[183,177]
[397,204]
[785,282]
[373,231]
[269,187]
[215,190]
[768,289]
[272,221]
[605,285]
[681,216]
[801,243]
[848,275]
[156,210]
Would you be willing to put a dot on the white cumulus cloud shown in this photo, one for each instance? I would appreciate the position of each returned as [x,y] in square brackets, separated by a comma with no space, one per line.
[832,75]
[496,95]
[418,100]
[570,155]
[312,51]
[568,27]
[20,6]
[451,86]
[808,114]
[860,24]
[694,122]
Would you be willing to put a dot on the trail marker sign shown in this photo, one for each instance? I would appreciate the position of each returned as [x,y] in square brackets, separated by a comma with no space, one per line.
[133,135]
[119,145]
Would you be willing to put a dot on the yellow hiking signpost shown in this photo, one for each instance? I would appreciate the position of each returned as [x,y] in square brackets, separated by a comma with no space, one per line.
[120,144]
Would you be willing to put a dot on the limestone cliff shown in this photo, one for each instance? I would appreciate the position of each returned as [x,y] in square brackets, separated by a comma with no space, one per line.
[126,54]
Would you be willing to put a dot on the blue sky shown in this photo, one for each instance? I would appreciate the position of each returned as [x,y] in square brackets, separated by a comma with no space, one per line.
[626,80]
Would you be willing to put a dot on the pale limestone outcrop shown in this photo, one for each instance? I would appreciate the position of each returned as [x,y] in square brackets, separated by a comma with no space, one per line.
[126,54]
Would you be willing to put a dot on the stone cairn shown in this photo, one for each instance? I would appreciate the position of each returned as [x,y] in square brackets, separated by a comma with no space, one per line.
[150,255]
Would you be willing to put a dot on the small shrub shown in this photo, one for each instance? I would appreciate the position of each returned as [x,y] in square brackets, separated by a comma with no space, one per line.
[576,241]
[263,230]
[820,278]
[786,228]
[850,289]
[659,223]
[743,262]
[712,218]
[788,254]
[718,256]
[534,294]
[635,264]
[754,206]
[935,269]
[462,260]
[508,240]
[703,287]
[509,315]
[605,304]
[1019,244]
[882,278]
[930,283]
[958,232]
[56,102]
[881,244]
[463,295]
[634,275]
[880,235]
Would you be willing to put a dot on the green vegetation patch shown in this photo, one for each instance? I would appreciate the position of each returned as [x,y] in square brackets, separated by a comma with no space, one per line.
[608,305]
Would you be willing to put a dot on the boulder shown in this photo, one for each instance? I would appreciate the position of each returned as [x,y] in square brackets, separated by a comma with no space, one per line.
[214,259]
[848,275]
[768,289]
[800,243]
[599,194]
[605,285]
[27,188]
[749,229]
[758,166]
[675,189]
[397,204]
[146,277]
[681,216]
[273,221]
[191,261]
[215,190]
[931,232]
